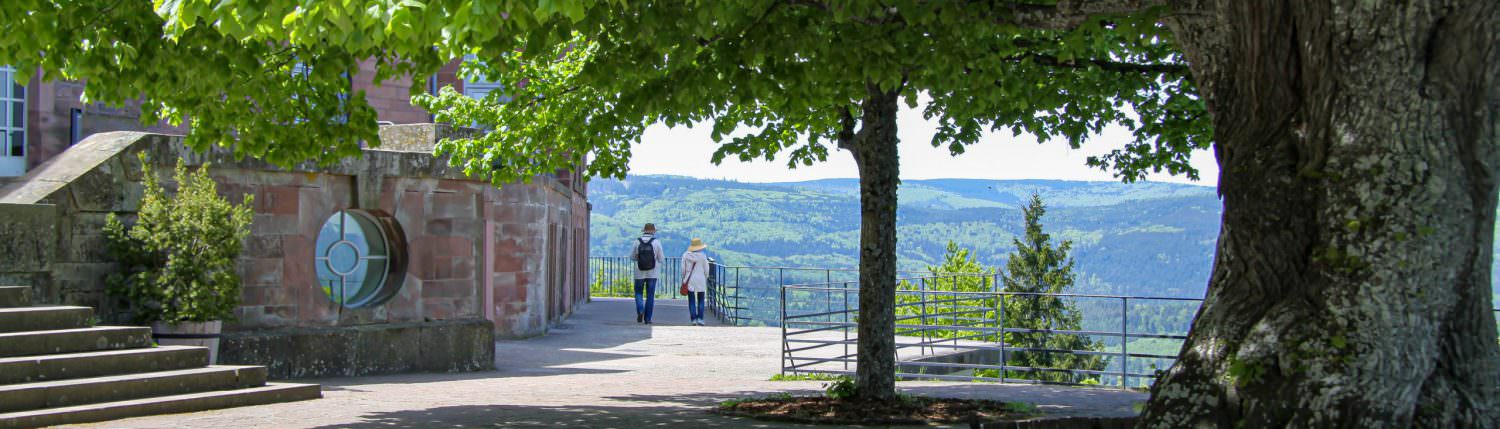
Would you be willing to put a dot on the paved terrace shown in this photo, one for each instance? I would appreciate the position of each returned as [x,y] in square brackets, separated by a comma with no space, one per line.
[600,370]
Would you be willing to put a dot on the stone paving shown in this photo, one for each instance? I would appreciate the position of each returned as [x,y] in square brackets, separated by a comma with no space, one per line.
[599,370]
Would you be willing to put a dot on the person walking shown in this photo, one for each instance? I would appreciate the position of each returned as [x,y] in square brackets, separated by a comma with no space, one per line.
[695,279]
[648,261]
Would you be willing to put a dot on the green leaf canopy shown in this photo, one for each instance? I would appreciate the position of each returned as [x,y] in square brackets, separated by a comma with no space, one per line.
[585,77]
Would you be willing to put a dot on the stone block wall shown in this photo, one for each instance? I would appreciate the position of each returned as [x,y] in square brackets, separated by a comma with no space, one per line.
[28,239]
[511,258]
[439,346]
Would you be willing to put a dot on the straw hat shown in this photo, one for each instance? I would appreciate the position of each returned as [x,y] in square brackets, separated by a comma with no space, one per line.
[697,245]
[649,229]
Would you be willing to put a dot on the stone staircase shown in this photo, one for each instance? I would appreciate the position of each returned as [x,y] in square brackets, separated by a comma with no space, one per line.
[57,369]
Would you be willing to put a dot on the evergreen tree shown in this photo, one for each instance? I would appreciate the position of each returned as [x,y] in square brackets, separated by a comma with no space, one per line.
[1038,267]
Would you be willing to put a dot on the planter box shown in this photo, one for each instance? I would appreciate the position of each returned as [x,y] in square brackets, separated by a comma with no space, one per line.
[201,334]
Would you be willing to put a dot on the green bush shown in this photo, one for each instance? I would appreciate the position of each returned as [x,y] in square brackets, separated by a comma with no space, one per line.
[843,388]
[178,258]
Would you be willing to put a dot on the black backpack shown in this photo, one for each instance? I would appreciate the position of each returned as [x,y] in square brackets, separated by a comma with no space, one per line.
[645,255]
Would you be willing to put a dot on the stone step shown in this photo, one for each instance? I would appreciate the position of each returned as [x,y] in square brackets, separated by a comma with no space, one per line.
[73,340]
[268,394]
[15,296]
[30,369]
[66,393]
[21,319]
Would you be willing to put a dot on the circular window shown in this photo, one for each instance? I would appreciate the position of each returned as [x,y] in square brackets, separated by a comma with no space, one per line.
[360,258]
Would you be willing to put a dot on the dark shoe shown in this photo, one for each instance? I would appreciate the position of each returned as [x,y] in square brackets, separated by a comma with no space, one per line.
[640,318]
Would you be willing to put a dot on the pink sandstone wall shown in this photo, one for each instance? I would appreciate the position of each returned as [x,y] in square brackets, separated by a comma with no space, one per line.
[514,255]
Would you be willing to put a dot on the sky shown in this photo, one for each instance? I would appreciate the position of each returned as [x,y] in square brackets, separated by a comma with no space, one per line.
[687,151]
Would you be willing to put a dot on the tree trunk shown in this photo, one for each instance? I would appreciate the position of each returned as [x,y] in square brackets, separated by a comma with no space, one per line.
[875,155]
[1351,285]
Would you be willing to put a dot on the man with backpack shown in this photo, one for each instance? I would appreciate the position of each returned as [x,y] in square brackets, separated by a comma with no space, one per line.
[648,262]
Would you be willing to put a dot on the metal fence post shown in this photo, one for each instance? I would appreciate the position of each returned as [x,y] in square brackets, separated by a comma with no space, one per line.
[737,318]
[953,316]
[1124,343]
[785,349]
[846,325]
[922,293]
[781,282]
[1000,322]
[827,302]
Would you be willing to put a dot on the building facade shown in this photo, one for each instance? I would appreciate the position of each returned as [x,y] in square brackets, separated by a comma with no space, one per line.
[44,118]
[389,262]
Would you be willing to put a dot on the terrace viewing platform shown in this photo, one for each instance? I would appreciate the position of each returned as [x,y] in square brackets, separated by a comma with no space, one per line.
[601,369]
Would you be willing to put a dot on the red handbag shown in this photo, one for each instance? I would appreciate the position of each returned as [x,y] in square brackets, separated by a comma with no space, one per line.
[684,289]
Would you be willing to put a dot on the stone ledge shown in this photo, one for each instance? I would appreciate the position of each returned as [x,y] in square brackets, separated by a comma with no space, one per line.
[440,346]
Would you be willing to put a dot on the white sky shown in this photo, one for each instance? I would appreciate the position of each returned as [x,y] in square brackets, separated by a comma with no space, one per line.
[687,151]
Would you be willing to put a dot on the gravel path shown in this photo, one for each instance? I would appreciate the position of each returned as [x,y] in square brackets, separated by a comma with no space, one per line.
[599,370]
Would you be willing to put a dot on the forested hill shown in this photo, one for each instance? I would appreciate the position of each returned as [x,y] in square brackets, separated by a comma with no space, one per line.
[1153,239]
[1141,239]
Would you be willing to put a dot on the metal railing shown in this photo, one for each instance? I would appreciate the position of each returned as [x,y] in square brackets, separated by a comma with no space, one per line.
[943,332]
[615,277]
[739,295]
[954,327]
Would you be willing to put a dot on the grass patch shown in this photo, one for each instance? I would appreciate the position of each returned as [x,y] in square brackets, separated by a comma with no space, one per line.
[809,377]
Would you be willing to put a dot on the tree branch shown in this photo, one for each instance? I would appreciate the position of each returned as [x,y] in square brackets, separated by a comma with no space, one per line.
[1118,67]
[846,129]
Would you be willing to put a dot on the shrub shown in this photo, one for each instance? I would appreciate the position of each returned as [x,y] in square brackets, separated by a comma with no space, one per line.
[178,258]
[840,389]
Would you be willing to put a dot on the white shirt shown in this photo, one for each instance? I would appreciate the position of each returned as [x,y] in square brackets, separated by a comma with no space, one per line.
[696,265]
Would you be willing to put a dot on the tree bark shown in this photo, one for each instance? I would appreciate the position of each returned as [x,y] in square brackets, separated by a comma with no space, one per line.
[875,155]
[1351,285]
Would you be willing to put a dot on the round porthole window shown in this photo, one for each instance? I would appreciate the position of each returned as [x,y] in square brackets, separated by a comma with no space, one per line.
[360,258]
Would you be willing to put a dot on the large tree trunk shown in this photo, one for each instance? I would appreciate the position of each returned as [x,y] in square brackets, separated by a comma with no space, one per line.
[879,167]
[1351,286]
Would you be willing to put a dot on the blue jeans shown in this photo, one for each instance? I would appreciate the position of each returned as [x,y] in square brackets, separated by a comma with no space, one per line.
[695,305]
[649,286]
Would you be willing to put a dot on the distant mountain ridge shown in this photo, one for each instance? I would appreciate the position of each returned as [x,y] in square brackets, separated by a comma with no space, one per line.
[1140,239]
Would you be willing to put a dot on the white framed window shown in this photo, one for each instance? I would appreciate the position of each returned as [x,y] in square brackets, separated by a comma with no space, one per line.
[478,90]
[12,124]
[481,87]
[360,258]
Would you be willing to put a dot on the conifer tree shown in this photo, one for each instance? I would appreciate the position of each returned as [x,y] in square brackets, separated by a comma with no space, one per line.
[1038,267]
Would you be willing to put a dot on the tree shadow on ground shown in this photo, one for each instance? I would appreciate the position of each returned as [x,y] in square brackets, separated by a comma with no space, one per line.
[708,400]
[1054,400]
[559,416]
[599,331]
[555,363]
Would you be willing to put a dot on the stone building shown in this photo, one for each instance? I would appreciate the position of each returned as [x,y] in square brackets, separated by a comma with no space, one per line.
[390,262]
[40,120]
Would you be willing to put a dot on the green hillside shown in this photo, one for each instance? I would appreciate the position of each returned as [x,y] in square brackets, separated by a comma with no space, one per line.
[1140,239]
[1144,239]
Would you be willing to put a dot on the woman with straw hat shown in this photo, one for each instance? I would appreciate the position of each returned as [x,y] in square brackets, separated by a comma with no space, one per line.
[695,279]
